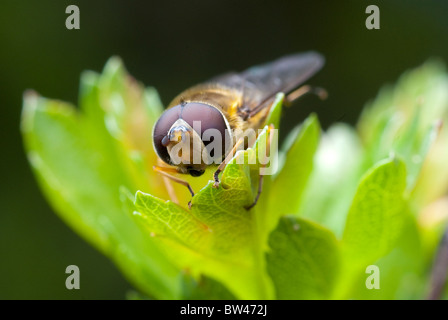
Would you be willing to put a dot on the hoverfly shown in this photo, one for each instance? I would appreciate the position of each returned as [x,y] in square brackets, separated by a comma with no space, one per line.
[225,103]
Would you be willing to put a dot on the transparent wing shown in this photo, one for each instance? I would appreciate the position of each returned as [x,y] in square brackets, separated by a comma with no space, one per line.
[261,83]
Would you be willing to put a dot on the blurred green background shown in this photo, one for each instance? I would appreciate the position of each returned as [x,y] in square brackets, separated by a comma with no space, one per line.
[172,45]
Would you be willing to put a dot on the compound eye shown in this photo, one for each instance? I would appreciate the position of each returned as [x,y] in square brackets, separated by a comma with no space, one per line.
[161,129]
[209,118]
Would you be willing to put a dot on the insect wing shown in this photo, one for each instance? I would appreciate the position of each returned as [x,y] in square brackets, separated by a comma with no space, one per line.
[260,83]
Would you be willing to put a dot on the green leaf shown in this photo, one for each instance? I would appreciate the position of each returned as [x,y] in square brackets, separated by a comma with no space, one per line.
[204,289]
[374,222]
[405,120]
[334,179]
[401,270]
[81,167]
[218,237]
[276,110]
[303,259]
[376,216]
[297,166]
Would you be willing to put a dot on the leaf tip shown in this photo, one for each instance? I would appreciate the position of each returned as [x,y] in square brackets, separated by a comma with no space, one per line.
[139,195]
[89,78]
[29,107]
[313,120]
[114,65]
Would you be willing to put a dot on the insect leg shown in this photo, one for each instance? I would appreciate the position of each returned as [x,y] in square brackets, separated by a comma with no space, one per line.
[167,182]
[260,180]
[164,172]
[303,90]
[260,188]
[226,160]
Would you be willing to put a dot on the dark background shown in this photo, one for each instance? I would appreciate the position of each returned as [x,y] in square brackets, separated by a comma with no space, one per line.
[172,45]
